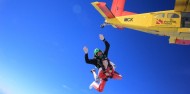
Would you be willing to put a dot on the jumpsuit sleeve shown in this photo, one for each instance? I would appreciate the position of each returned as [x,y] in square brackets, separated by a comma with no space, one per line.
[90,61]
[106,51]
[107,47]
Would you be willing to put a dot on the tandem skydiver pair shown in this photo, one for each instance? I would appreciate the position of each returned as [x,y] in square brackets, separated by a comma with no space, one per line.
[106,68]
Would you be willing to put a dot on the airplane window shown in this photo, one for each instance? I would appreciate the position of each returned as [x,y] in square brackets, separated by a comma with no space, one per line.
[159,15]
[173,15]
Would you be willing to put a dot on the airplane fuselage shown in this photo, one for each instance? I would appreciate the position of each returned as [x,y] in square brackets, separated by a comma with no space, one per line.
[173,23]
[164,23]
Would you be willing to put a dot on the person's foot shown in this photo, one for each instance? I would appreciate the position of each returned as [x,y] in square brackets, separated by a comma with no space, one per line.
[93,70]
[91,85]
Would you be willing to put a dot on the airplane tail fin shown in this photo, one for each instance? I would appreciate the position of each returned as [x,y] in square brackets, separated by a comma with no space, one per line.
[118,8]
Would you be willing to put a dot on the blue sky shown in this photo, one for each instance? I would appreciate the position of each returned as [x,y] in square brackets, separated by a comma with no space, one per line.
[41,50]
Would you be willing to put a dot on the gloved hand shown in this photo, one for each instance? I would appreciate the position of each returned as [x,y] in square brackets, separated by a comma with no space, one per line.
[101,37]
[85,49]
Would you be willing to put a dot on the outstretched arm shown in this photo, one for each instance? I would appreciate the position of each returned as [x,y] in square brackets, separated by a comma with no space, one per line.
[89,61]
[106,44]
[106,49]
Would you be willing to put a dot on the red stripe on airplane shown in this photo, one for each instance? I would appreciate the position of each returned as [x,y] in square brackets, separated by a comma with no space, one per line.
[183,42]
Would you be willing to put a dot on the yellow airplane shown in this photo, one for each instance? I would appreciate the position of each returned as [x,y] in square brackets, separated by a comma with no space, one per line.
[173,23]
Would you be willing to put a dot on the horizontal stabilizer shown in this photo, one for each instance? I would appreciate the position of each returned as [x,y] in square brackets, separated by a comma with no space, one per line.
[103,9]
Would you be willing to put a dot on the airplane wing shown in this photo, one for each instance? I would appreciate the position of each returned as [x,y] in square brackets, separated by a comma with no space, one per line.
[182,5]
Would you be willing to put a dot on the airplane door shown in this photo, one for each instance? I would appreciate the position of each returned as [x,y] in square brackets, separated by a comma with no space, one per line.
[185,20]
[166,20]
